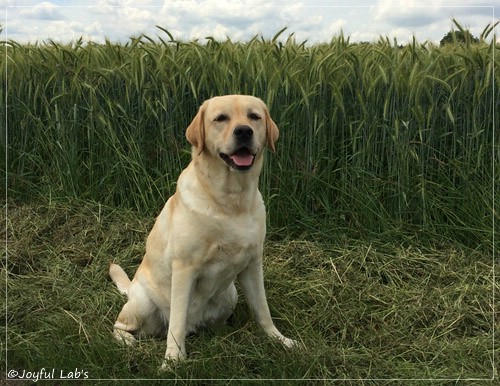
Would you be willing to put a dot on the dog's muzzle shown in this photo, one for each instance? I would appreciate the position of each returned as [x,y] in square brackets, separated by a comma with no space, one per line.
[243,158]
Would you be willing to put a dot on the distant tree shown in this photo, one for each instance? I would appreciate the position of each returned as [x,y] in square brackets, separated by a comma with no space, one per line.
[458,37]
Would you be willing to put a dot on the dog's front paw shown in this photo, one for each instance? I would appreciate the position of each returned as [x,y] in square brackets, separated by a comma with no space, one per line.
[172,357]
[289,343]
[170,362]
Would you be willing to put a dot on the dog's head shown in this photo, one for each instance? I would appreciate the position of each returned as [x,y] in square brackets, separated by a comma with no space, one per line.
[233,128]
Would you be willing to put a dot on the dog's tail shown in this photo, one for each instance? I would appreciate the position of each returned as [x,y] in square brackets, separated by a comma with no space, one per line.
[120,278]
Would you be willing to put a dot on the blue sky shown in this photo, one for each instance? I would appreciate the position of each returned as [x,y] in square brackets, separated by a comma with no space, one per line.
[313,20]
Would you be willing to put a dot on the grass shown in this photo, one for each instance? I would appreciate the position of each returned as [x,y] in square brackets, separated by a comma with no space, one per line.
[373,136]
[364,309]
[380,255]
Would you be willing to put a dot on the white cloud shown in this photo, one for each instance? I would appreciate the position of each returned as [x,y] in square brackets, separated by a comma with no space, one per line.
[50,21]
[193,19]
[334,29]
[124,14]
[216,18]
[431,20]
[218,32]
[121,19]
[363,36]
[68,31]
[42,11]
[118,20]
[412,13]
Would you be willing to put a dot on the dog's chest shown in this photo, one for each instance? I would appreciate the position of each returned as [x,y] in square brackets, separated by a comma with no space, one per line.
[238,239]
[234,244]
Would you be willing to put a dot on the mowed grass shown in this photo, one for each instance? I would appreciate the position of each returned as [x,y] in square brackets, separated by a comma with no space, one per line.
[362,309]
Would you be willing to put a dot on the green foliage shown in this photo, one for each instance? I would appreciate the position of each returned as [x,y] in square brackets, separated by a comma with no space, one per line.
[374,137]
[458,37]
[464,36]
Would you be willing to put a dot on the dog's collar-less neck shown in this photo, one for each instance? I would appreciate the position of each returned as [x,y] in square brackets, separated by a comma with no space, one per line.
[229,187]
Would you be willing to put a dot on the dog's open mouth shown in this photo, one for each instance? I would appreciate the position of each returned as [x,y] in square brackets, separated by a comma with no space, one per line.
[242,159]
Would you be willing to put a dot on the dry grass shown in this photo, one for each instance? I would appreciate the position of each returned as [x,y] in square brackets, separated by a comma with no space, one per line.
[364,309]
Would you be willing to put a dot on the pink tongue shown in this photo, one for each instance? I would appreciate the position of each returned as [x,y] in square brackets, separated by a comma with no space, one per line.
[242,160]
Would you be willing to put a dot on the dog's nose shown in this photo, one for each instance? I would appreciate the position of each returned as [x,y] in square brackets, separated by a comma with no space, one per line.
[243,132]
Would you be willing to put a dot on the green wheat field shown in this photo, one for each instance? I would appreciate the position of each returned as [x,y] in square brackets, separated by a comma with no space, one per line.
[381,206]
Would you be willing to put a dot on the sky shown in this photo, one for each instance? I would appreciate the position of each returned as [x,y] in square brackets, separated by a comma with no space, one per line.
[34,21]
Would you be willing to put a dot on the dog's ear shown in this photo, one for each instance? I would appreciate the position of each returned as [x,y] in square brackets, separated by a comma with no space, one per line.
[195,133]
[272,132]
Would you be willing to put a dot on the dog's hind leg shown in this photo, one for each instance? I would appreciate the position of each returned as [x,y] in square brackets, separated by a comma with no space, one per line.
[139,316]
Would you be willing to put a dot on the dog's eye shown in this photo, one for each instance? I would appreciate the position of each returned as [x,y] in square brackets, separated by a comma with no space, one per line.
[254,117]
[221,118]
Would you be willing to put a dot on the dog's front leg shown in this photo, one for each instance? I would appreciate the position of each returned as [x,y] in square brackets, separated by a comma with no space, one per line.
[183,278]
[251,280]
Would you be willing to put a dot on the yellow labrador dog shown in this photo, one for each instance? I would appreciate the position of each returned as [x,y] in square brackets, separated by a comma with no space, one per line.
[210,232]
